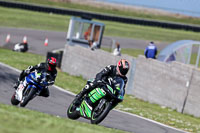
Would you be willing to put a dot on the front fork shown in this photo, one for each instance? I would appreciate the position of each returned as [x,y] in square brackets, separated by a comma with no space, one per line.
[27,90]
[101,103]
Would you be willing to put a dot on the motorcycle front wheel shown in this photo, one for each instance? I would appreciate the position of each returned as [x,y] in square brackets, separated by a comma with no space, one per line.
[14,101]
[71,111]
[99,114]
[27,97]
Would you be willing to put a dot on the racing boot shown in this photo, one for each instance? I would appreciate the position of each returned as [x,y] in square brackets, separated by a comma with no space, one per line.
[88,87]
[84,91]
[80,96]
[21,77]
[16,84]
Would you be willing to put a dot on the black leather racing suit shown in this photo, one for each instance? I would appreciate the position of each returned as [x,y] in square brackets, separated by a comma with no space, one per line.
[42,67]
[108,71]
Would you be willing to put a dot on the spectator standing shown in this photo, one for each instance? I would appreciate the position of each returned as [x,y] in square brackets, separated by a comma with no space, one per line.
[93,45]
[117,50]
[151,51]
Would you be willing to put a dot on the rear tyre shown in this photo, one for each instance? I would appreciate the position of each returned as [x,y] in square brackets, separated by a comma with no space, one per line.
[99,114]
[14,101]
[71,111]
[28,97]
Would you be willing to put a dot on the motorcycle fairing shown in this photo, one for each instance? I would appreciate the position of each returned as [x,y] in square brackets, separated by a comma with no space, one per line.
[96,94]
[85,109]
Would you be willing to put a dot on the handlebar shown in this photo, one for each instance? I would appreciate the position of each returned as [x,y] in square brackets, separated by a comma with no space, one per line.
[108,92]
[39,80]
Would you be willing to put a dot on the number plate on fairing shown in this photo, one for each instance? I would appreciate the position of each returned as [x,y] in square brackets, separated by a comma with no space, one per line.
[21,87]
[19,92]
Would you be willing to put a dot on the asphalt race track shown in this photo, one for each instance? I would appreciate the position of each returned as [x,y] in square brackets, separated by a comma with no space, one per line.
[59,100]
[57,40]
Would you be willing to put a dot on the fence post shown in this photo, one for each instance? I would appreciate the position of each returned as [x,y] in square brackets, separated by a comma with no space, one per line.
[130,86]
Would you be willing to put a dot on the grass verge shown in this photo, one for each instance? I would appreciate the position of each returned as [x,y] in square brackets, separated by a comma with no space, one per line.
[130,104]
[28,19]
[22,120]
[115,11]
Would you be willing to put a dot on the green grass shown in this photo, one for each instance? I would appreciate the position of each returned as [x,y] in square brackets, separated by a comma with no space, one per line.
[128,51]
[43,21]
[35,20]
[130,104]
[117,12]
[21,120]
[132,52]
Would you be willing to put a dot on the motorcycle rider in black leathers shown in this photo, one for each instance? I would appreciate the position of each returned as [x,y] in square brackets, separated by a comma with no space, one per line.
[121,69]
[49,67]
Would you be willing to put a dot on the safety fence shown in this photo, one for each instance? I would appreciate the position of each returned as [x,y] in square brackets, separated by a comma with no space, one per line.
[48,9]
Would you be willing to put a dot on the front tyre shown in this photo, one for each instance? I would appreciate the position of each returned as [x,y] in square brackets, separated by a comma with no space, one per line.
[71,111]
[14,101]
[28,97]
[99,114]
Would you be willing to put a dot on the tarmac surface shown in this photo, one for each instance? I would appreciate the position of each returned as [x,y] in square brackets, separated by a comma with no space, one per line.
[57,40]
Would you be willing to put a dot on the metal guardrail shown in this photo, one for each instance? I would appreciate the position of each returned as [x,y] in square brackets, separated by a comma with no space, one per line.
[34,7]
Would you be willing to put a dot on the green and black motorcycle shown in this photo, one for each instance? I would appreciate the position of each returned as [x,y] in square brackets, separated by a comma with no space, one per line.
[97,104]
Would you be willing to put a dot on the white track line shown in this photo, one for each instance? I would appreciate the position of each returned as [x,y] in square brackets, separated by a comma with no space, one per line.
[65,91]
[68,92]
[5,65]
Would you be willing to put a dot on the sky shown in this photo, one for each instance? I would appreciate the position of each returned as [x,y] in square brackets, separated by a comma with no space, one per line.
[186,7]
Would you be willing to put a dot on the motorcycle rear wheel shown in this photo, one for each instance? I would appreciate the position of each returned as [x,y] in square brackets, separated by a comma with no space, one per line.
[99,115]
[28,97]
[71,111]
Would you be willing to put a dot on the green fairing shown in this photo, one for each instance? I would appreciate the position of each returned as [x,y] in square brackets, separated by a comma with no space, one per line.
[118,88]
[110,88]
[84,108]
[96,94]
[81,110]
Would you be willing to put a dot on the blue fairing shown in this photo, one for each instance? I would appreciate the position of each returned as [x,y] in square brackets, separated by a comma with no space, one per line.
[31,81]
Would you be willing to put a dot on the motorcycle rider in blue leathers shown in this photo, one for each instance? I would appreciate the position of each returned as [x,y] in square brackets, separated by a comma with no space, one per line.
[49,67]
[150,51]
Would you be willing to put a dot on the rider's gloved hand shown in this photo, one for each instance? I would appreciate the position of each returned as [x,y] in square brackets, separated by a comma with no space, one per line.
[50,82]
[28,70]
[98,82]
[93,84]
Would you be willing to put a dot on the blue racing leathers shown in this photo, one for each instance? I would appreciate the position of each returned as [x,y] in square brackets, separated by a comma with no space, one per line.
[150,51]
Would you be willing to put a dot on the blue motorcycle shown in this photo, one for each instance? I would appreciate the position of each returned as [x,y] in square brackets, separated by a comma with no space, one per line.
[29,87]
